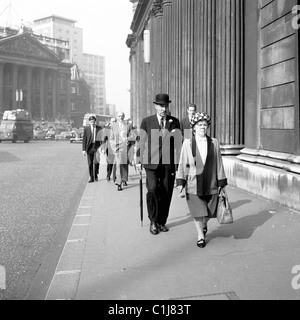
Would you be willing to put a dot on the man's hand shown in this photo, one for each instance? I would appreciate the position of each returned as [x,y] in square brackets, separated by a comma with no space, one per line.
[181,190]
[84,153]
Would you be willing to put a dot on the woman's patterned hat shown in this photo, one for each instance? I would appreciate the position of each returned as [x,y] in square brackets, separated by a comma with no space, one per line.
[200,116]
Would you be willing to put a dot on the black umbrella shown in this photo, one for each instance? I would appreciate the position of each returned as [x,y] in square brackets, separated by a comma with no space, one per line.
[141,197]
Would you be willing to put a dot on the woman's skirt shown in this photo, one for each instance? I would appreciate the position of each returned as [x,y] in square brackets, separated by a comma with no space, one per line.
[202,206]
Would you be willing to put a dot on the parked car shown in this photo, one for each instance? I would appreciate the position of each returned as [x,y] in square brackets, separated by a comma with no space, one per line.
[50,134]
[39,135]
[76,137]
[64,135]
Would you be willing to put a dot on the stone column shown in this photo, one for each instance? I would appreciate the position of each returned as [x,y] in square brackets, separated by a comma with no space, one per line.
[29,89]
[228,85]
[15,78]
[42,93]
[157,46]
[1,87]
[166,44]
[54,93]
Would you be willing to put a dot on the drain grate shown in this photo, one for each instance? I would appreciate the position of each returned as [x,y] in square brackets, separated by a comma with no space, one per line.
[216,296]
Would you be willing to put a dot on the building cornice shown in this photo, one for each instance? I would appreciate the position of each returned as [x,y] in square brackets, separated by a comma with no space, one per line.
[141,14]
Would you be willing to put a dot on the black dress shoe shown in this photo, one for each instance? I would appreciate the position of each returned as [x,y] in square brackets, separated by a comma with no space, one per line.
[125,183]
[91,180]
[163,228]
[205,231]
[119,187]
[108,179]
[153,228]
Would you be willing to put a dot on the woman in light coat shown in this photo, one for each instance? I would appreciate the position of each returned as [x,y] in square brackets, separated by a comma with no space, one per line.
[201,174]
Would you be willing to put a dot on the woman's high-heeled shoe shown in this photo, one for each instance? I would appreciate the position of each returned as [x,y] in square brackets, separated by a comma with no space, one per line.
[205,231]
[120,187]
[201,243]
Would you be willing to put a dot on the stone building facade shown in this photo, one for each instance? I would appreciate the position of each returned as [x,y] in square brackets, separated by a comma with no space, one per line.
[32,77]
[238,60]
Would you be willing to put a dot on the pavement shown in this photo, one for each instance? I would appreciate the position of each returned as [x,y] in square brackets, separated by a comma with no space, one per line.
[109,255]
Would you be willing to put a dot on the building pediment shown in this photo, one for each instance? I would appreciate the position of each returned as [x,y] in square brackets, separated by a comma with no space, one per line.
[25,46]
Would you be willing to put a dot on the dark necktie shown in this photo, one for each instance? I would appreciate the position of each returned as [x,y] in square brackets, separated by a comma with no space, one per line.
[93,133]
[162,124]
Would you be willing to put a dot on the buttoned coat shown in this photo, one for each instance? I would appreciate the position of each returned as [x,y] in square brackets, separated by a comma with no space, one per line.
[198,178]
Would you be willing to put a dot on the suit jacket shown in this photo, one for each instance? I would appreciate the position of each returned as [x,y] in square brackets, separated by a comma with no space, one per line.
[185,128]
[87,140]
[155,146]
[120,140]
[185,124]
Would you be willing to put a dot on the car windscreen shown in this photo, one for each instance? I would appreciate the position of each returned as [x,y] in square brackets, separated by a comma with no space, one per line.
[6,126]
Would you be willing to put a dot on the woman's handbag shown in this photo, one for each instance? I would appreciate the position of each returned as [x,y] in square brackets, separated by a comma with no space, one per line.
[224,211]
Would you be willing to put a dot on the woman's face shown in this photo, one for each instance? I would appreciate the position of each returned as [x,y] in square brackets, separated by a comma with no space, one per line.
[201,128]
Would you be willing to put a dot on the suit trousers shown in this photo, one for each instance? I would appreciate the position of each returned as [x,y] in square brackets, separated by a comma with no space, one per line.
[93,164]
[160,186]
[121,170]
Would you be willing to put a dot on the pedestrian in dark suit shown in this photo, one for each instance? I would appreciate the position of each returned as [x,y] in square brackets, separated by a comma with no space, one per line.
[185,126]
[90,145]
[159,139]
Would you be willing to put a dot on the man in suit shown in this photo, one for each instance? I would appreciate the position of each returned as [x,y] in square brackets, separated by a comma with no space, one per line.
[90,145]
[159,140]
[121,136]
[185,122]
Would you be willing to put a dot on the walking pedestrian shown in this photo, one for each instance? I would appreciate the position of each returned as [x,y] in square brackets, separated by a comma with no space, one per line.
[90,145]
[185,122]
[107,150]
[156,153]
[200,174]
[120,138]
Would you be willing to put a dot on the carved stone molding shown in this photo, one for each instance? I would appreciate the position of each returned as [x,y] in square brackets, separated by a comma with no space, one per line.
[157,8]
[166,2]
[22,46]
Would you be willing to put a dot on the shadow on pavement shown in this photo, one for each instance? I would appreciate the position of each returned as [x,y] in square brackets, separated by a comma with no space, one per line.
[242,228]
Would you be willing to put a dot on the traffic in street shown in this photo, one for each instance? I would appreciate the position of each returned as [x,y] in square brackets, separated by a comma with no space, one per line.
[41,184]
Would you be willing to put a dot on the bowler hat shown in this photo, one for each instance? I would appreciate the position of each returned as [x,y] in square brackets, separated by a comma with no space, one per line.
[162,98]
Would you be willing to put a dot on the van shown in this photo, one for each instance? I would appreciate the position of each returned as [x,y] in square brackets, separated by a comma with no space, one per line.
[16,125]
[101,119]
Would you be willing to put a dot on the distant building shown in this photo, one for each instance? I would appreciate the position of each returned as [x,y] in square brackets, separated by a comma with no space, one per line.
[80,96]
[111,109]
[94,68]
[63,29]
[34,78]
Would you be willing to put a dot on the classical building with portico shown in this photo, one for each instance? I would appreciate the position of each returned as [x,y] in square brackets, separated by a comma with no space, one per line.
[34,78]
[238,60]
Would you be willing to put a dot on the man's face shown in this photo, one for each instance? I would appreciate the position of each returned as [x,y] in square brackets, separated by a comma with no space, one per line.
[92,122]
[162,109]
[191,111]
[121,117]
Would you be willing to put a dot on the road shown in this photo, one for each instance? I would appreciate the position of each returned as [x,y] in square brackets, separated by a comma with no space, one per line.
[41,184]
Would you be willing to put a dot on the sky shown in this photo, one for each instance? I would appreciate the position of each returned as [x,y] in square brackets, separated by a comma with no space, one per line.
[105,24]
